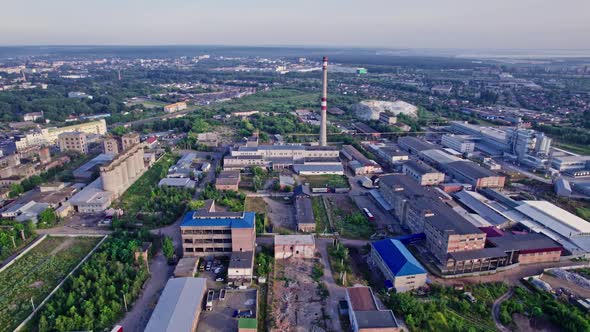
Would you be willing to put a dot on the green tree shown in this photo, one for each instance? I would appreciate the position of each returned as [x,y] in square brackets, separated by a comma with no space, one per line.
[196,204]
[47,218]
[168,247]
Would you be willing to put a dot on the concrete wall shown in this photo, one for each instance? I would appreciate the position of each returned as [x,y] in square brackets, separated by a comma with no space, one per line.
[296,251]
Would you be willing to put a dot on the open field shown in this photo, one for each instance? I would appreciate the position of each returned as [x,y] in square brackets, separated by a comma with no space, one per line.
[348,220]
[35,274]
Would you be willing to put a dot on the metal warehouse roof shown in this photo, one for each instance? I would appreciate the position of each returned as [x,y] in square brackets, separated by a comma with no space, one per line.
[178,305]
[479,205]
[245,221]
[398,258]
[555,218]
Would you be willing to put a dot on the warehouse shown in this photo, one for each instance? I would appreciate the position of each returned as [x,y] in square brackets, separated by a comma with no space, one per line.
[569,230]
[530,248]
[414,145]
[422,173]
[477,176]
[398,265]
[179,306]
[489,210]
[364,312]
[304,214]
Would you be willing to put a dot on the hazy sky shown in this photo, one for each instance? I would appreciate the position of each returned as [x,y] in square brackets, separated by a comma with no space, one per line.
[561,24]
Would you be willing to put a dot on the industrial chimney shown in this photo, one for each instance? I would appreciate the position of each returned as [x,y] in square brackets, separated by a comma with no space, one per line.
[324,122]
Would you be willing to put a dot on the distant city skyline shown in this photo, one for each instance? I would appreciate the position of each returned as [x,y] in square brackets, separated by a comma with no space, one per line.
[502,24]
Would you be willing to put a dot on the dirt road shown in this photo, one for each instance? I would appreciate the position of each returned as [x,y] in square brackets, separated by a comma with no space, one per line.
[496,310]
[337,292]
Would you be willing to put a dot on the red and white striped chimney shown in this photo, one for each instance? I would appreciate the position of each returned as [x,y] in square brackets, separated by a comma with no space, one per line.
[324,115]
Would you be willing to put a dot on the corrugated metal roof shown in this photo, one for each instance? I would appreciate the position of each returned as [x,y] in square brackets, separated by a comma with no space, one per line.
[398,258]
[178,305]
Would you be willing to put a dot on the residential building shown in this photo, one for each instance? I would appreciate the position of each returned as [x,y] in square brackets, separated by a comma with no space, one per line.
[73,141]
[294,246]
[422,173]
[171,108]
[364,312]
[398,265]
[179,306]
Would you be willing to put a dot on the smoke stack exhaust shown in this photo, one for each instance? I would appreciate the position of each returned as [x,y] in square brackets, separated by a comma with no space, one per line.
[324,115]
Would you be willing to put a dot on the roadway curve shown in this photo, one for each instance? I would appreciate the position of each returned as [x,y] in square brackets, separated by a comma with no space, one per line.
[496,310]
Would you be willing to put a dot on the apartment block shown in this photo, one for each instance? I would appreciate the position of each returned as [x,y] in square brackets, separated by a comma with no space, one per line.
[73,141]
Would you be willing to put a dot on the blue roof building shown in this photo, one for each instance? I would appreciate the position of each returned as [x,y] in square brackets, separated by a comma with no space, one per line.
[398,264]
[208,232]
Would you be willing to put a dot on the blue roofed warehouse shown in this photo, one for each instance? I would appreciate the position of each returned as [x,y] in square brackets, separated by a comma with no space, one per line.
[398,264]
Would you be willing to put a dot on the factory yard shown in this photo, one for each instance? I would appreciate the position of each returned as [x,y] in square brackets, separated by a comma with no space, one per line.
[221,317]
[34,275]
[297,305]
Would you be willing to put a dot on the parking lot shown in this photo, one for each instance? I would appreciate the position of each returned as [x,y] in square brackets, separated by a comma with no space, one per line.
[221,317]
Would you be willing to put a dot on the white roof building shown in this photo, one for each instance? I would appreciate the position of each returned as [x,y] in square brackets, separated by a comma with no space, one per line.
[179,306]
[571,231]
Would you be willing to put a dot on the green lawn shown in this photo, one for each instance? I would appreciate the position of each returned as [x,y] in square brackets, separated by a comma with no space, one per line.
[353,226]
[584,213]
[321,181]
[35,274]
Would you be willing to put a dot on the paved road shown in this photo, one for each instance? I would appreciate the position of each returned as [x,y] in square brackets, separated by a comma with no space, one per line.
[337,293]
[136,319]
[496,310]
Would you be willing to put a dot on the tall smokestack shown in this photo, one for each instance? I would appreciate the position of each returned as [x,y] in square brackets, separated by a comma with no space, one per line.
[324,122]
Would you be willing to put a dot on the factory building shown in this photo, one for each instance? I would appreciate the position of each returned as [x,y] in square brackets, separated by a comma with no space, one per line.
[572,165]
[305,160]
[423,210]
[422,173]
[73,141]
[358,163]
[398,265]
[208,232]
[460,143]
[475,175]
[414,145]
[122,171]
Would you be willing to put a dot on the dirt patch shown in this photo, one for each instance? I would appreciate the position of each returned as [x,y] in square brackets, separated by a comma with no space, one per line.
[281,214]
[559,283]
[523,324]
[36,284]
[296,304]
[62,246]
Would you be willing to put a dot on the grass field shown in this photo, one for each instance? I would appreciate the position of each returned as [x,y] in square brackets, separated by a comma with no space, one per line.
[321,181]
[322,224]
[575,148]
[133,199]
[35,274]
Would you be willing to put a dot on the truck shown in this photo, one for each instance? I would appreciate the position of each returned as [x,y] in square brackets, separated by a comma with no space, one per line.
[368,214]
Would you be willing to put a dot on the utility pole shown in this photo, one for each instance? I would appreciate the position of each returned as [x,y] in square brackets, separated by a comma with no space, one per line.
[33,304]
[125,302]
